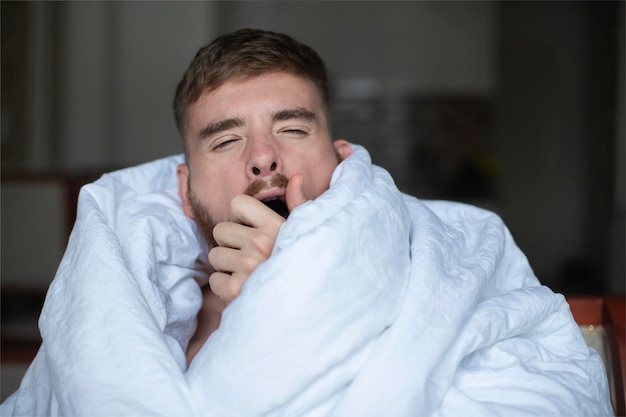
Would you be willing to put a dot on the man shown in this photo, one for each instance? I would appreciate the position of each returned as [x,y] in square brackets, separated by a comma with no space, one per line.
[272,146]
[363,302]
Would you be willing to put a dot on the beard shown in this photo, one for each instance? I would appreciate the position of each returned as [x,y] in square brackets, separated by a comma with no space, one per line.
[203,219]
[206,222]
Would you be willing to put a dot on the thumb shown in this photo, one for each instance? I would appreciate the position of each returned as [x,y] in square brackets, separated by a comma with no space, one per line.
[294,193]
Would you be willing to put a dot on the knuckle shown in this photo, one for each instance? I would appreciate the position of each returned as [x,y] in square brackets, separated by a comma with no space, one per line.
[234,288]
[249,263]
[221,286]
[212,254]
[215,255]
[262,244]
[218,229]
[215,283]
[226,287]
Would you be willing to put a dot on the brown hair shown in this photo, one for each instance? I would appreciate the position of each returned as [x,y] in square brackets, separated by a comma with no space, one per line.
[242,54]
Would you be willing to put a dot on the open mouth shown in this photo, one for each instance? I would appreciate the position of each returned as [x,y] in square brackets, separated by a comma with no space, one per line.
[278,206]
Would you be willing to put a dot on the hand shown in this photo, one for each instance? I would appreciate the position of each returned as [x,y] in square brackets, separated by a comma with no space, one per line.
[247,239]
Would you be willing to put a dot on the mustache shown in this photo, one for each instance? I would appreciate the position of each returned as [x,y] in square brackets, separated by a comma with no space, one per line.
[278,180]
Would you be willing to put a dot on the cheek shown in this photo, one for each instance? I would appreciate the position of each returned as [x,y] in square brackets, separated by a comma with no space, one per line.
[212,192]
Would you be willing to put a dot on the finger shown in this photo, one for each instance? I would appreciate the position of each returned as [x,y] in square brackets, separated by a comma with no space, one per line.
[245,209]
[229,234]
[230,260]
[294,193]
[227,287]
[249,239]
[222,259]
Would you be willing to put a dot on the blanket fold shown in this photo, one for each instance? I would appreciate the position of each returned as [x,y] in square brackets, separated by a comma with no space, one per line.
[372,303]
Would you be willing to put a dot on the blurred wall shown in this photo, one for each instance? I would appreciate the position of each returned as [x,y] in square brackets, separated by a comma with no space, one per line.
[617,251]
[104,76]
[557,137]
[101,78]
[402,46]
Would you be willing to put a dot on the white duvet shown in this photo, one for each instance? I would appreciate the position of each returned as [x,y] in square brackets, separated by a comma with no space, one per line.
[373,303]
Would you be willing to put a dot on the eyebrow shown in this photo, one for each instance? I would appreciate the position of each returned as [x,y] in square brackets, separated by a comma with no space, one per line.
[297,113]
[222,125]
[218,126]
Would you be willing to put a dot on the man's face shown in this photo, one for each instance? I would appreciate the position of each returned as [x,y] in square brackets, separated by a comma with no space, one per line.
[249,137]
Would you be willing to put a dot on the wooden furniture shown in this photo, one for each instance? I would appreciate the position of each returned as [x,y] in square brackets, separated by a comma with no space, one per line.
[603,317]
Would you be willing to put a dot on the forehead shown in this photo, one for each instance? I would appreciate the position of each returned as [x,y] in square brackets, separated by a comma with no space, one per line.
[268,92]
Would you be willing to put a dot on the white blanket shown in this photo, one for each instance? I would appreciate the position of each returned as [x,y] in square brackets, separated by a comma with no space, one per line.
[373,303]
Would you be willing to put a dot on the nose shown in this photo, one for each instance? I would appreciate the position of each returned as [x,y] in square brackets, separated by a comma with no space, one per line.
[264,160]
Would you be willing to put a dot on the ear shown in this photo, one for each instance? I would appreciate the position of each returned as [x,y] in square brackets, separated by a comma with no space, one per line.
[343,148]
[182,173]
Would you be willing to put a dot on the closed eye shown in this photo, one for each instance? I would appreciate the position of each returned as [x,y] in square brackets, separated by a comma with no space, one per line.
[223,144]
[294,131]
